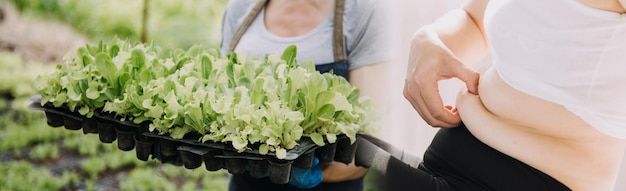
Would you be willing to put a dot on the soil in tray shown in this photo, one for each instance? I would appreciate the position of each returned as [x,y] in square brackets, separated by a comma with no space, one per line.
[280,171]
[106,131]
[53,119]
[125,137]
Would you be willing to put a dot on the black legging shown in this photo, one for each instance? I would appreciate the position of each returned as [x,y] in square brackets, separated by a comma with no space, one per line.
[456,160]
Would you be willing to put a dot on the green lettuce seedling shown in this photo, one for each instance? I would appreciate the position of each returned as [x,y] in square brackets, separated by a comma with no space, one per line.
[270,103]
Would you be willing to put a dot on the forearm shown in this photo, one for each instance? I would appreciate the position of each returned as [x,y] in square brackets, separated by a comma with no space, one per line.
[373,82]
[461,31]
[339,172]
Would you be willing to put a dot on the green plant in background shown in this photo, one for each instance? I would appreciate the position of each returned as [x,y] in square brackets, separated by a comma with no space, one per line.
[94,166]
[155,179]
[28,146]
[145,180]
[225,98]
[110,161]
[178,24]
[17,176]
[44,151]
[15,75]
[88,145]
[19,126]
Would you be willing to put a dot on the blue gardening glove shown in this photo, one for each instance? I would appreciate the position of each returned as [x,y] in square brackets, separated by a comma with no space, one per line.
[306,178]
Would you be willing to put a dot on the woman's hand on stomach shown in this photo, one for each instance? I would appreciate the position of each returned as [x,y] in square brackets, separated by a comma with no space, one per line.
[540,133]
[430,61]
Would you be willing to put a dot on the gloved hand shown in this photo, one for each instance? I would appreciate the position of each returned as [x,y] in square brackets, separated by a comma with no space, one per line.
[306,178]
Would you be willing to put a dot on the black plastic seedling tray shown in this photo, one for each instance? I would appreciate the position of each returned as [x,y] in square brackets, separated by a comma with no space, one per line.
[191,153]
[218,156]
[305,144]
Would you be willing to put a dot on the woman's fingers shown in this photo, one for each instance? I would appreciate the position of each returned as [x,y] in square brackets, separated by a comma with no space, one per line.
[422,90]
[469,77]
[439,115]
[416,102]
[425,99]
[430,61]
[453,68]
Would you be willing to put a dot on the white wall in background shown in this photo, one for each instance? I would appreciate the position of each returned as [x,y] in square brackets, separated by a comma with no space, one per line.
[405,128]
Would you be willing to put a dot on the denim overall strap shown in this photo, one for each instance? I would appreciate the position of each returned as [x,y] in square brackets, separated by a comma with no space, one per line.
[246,24]
[340,66]
[339,48]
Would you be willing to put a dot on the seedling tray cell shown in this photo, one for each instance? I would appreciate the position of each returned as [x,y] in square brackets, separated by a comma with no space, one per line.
[190,159]
[72,122]
[258,168]
[125,140]
[54,119]
[345,150]
[90,126]
[144,146]
[106,131]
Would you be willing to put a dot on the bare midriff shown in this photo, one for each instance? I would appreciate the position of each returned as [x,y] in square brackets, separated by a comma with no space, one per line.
[541,134]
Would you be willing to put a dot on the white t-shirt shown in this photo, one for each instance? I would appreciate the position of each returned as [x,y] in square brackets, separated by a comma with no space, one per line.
[564,52]
[365,34]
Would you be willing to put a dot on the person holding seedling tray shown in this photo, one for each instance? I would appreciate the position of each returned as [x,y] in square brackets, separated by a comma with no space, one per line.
[339,36]
[259,116]
[272,120]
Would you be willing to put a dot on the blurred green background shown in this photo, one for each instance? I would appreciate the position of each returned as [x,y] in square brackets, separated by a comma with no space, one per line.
[35,36]
[169,23]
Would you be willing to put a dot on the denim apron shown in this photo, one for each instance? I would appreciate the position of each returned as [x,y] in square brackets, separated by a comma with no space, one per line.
[244,182]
